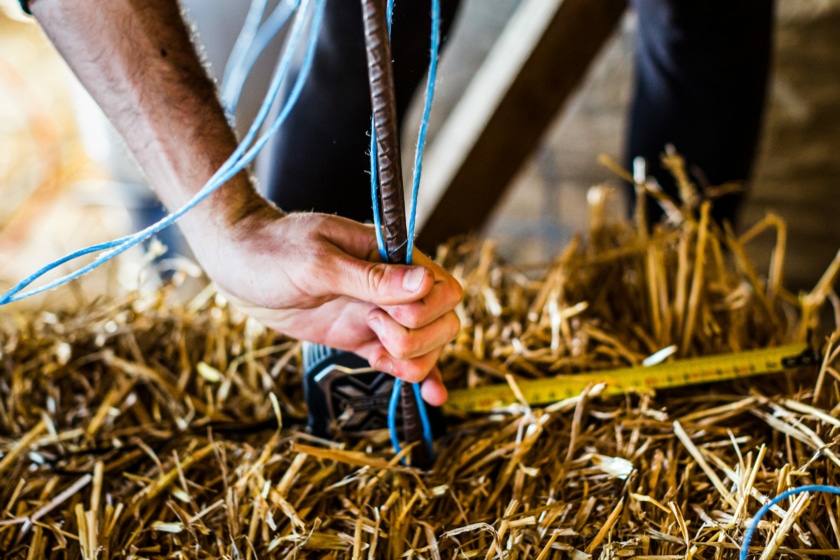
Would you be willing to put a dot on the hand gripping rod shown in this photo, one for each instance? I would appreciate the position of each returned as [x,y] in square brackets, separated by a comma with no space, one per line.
[389,168]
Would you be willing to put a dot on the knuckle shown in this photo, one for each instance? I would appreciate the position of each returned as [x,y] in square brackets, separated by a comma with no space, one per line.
[375,277]
[315,222]
[411,371]
[457,292]
[454,324]
[408,316]
[311,268]
[401,348]
[311,262]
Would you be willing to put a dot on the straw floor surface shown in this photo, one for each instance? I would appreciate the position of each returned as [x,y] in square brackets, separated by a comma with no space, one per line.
[136,428]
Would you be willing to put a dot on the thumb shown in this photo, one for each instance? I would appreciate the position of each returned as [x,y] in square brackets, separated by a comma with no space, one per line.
[365,279]
[386,284]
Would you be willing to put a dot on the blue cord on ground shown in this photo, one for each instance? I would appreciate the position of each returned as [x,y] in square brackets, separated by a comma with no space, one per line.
[745,545]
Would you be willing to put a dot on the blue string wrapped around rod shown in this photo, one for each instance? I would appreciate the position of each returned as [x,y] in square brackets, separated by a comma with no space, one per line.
[418,167]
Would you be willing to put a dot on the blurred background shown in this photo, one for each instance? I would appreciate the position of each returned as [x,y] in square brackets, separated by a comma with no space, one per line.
[65,181]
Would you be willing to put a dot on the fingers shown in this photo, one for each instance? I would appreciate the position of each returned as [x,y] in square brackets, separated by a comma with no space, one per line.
[444,296]
[407,344]
[335,292]
[358,274]
[354,269]
[433,390]
[412,335]
[381,284]
[414,370]
[410,354]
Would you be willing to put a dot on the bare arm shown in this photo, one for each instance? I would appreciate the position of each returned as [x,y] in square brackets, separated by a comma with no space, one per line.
[307,275]
[137,60]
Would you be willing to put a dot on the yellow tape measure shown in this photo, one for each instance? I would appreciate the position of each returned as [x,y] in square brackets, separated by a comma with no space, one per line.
[642,378]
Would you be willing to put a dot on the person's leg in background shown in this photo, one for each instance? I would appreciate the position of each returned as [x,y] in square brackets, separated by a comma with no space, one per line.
[701,80]
[319,160]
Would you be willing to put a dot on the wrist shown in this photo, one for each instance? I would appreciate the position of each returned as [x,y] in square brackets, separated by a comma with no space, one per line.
[233,213]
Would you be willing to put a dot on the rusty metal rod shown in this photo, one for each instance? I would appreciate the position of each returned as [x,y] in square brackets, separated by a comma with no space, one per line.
[389,167]
[383,103]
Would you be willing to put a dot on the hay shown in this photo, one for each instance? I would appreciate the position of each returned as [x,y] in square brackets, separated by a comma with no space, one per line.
[142,429]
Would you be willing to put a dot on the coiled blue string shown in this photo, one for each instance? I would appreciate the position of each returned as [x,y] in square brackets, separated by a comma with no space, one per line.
[418,167]
[240,158]
[240,50]
[252,41]
[748,535]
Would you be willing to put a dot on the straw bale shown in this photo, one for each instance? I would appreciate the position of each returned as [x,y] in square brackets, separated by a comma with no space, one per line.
[136,428]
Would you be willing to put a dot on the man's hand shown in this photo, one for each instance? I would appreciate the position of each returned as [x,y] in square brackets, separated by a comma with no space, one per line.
[310,276]
[317,278]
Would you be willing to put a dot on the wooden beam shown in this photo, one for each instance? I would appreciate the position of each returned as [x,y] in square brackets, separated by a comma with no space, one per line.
[535,65]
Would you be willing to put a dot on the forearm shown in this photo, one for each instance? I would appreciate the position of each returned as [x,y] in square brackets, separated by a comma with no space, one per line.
[136,59]
[307,275]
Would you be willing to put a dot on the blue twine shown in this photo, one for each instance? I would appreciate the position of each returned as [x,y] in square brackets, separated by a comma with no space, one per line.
[233,165]
[377,222]
[241,62]
[240,49]
[424,416]
[424,123]
[374,197]
[748,535]
[392,415]
[393,403]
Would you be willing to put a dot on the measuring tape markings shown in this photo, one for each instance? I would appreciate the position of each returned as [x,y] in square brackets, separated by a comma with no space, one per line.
[662,376]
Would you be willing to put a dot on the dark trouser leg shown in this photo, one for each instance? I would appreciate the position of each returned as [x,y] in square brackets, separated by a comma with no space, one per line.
[320,158]
[701,76]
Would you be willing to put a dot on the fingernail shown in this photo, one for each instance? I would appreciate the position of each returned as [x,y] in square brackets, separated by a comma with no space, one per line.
[413,278]
[384,365]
